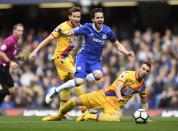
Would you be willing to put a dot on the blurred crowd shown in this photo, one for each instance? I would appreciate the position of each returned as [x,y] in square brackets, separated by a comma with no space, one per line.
[34,79]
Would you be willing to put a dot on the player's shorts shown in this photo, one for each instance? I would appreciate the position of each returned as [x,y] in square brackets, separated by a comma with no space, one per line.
[64,67]
[97,99]
[85,66]
[6,80]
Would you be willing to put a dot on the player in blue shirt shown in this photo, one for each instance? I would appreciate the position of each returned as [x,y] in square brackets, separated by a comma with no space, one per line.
[88,66]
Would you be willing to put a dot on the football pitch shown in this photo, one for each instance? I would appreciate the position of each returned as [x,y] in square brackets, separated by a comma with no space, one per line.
[35,124]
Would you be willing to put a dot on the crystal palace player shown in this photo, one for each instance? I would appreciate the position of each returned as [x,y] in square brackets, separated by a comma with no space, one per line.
[66,48]
[111,99]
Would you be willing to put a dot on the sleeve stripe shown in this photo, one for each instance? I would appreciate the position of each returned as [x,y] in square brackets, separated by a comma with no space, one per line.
[53,36]
[121,81]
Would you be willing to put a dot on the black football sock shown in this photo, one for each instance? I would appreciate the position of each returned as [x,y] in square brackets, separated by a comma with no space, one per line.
[3,93]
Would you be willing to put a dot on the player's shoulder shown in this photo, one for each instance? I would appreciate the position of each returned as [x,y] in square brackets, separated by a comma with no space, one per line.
[128,73]
[106,27]
[9,39]
[63,24]
[88,24]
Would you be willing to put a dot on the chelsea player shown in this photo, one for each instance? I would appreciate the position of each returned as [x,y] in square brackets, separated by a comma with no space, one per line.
[88,66]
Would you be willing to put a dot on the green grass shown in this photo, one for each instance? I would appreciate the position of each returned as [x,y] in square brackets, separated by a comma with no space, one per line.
[35,124]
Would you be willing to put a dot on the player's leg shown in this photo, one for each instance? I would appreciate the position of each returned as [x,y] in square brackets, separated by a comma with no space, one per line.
[6,83]
[110,114]
[88,100]
[64,109]
[3,93]
[79,76]
[78,80]
[115,115]
[97,71]
[65,76]
[78,92]
[63,70]
[91,100]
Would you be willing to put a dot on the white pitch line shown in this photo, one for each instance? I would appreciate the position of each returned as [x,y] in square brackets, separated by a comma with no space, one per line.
[22,121]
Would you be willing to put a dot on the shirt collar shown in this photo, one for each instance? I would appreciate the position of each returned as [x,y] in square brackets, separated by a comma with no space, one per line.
[94,27]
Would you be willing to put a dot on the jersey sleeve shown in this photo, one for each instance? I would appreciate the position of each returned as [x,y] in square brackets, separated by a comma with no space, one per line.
[56,32]
[111,36]
[143,93]
[5,45]
[80,31]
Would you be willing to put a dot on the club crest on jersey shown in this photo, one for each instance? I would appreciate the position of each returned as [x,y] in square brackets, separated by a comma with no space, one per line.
[104,36]
[79,68]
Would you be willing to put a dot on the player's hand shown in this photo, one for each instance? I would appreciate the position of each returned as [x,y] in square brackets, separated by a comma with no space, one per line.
[131,54]
[32,56]
[120,98]
[13,65]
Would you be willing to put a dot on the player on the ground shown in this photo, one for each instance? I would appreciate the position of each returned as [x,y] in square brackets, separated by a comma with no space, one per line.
[65,48]
[8,54]
[111,99]
[88,62]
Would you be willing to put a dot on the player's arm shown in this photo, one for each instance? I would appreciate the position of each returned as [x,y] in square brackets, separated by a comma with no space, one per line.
[120,48]
[78,31]
[118,90]
[41,45]
[78,46]
[4,57]
[143,99]
[121,81]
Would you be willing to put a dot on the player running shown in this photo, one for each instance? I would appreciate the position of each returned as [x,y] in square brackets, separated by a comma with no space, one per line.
[8,53]
[65,48]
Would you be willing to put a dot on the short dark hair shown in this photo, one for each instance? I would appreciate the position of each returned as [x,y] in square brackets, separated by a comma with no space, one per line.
[96,10]
[145,62]
[18,24]
[74,9]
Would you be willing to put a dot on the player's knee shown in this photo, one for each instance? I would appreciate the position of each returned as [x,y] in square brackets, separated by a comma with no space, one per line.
[79,81]
[98,74]
[71,76]
[78,101]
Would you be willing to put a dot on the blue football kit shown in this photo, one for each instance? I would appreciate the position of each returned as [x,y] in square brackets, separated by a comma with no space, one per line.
[89,57]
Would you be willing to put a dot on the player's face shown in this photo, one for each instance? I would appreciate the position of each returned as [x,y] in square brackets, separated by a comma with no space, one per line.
[75,18]
[143,71]
[18,32]
[98,20]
